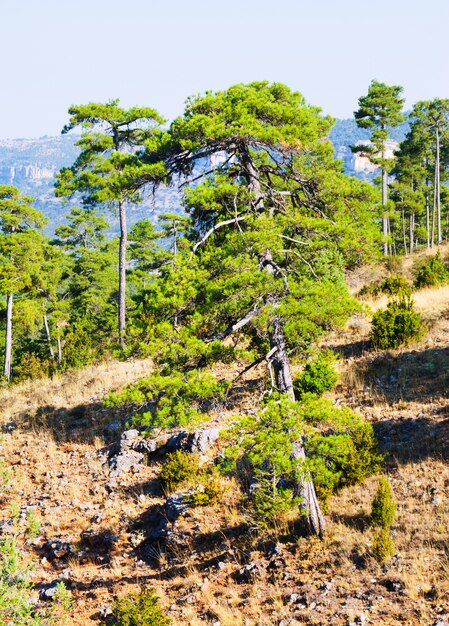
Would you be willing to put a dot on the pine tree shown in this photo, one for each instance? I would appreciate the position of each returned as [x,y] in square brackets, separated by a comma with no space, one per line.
[380,110]
[21,254]
[272,220]
[110,170]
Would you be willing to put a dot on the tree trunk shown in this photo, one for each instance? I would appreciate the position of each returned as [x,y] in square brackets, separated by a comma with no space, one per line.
[385,224]
[47,332]
[59,350]
[404,237]
[437,186]
[284,383]
[8,338]
[412,231]
[279,362]
[122,274]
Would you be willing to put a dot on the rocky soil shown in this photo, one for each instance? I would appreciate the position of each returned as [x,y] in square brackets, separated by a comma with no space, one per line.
[107,528]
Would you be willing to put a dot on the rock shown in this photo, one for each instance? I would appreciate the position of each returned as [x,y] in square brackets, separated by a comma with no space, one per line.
[202,440]
[99,542]
[147,446]
[57,548]
[125,462]
[128,439]
[48,590]
[112,429]
[175,506]
[248,573]
[177,441]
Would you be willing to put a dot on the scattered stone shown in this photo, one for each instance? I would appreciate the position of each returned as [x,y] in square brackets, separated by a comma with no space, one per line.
[47,591]
[248,573]
[202,440]
[175,506]
[57,549]
[126,461]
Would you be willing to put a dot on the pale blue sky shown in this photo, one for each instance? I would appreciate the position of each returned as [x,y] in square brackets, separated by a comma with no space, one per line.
[54,53]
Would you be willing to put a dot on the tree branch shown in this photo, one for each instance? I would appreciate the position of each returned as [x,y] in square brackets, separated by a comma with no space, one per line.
[235,325]
[216,227]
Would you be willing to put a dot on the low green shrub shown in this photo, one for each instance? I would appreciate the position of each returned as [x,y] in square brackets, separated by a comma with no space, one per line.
[140,609]
[318,376]
[16,592]
[179,467]
[383,506]
[396,285]
[433,272]
[383,546]
[383,511]
[208,492]
[393,285]
[396,325]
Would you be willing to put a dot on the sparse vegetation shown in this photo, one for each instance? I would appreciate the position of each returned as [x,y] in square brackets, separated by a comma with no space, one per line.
[397,325]
[432,272]
[382,516]
[141,609]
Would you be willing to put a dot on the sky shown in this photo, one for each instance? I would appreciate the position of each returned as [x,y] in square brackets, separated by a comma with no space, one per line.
[55,53]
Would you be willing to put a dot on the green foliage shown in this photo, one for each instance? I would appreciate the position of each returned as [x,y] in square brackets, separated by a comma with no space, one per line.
[318,376]
[16,592]
[383,546]
[141,609]
[178,467]
[32,366]
[396,325]
[379,110]
[433,272]
[170,399]
[394,285]
[383,511]
[340,450]
[207,490]
[383,506]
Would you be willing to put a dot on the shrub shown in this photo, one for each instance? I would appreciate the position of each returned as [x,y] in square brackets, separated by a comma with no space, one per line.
[383,546]
[32,366]
[140,609]
[383,506]
[318,376]
[393,285]
[208,492]
[396,325]
[177,468]
[16,590]
[433,272]
[382,516]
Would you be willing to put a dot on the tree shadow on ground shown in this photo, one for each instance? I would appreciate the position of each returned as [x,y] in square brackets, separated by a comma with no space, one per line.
[407,376]
[81,424]
[413,440]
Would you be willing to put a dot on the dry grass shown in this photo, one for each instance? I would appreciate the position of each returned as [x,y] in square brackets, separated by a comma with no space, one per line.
[75,388]
[64,482]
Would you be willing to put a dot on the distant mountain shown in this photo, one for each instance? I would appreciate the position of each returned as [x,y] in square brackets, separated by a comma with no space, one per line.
[346,133]
[31,165]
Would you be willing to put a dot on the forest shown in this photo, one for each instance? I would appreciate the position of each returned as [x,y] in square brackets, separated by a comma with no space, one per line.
[233,298]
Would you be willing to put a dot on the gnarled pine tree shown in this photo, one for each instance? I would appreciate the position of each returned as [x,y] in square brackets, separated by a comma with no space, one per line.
[274,221]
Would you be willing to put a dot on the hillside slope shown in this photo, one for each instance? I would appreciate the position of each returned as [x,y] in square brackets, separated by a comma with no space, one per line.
[213,567]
